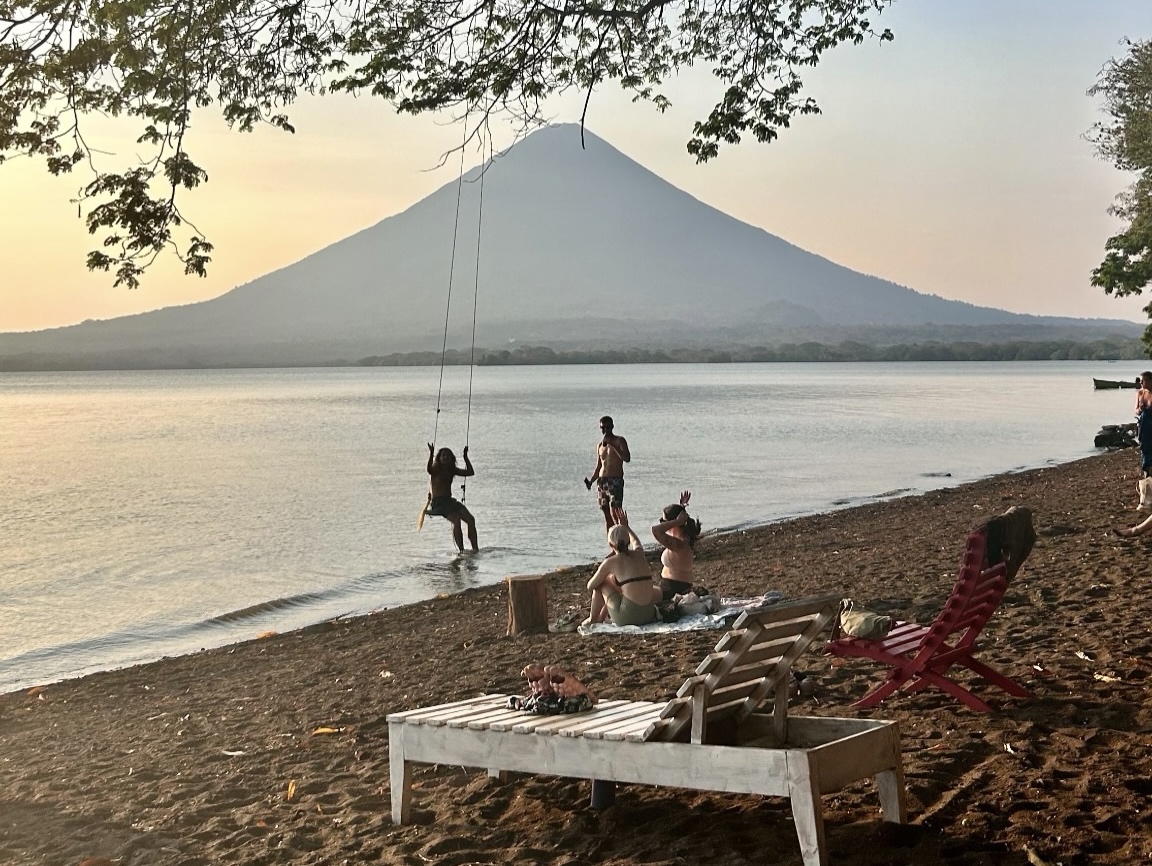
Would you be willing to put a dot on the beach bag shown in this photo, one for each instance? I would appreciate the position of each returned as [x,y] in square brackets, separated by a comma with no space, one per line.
[550,704]
[859,622]
[692,604]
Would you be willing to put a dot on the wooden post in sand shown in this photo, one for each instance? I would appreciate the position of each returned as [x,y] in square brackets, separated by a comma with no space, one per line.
[527,604]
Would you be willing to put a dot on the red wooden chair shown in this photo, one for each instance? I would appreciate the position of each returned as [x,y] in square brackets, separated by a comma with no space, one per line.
[921,656]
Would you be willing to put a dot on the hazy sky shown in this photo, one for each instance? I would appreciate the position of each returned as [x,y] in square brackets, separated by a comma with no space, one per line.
[952,161]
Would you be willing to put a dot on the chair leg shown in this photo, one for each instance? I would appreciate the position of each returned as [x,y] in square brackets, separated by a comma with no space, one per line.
[804,791]
[399,778]
[893,798]
[878,694]
[955,689]
[995,677]
[603,794]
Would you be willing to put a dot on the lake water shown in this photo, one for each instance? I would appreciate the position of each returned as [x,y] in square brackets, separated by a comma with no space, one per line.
[155,513]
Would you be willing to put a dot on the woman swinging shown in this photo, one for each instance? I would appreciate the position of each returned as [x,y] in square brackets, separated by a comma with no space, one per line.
[442,468]
[442,471]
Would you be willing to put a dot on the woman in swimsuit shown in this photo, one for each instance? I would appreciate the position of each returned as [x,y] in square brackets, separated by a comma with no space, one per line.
[678,533]
[442,471]
[622,587]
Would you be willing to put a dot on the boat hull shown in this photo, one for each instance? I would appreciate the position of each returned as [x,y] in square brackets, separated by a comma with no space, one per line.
[1106,384]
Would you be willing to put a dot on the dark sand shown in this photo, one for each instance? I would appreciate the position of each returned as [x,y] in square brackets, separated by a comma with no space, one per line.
[190,760]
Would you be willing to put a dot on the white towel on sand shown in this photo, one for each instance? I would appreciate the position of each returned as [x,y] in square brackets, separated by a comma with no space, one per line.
[730,608]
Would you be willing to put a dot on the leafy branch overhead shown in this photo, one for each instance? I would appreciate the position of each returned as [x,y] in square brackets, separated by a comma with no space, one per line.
[156,62]
[1125,140]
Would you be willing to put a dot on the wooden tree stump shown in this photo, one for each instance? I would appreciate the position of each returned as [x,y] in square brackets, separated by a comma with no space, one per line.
[527,604]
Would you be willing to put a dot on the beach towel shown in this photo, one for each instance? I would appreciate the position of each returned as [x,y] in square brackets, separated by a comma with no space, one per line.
[730,609]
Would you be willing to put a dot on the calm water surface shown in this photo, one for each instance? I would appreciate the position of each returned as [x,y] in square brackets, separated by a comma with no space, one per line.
[155,513]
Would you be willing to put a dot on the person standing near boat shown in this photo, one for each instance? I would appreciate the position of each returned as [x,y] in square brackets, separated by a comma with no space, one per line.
[1144,437]
[608,476]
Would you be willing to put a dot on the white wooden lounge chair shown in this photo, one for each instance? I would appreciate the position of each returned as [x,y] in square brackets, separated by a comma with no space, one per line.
[711,736]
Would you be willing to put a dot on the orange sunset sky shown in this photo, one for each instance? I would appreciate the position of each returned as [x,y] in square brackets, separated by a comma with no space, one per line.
[952,161]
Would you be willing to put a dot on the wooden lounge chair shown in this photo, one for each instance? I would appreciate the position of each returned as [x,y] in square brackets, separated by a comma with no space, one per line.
[921,656]
[710,736]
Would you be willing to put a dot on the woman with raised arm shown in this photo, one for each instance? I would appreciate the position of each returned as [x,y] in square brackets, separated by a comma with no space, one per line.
[623,589]
[678,533]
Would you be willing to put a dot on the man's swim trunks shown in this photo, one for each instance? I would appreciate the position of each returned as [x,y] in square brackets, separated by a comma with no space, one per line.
[610,491]
[444,506]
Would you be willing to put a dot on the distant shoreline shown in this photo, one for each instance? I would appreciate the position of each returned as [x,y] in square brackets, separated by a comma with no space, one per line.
[1117,349]
[787,353]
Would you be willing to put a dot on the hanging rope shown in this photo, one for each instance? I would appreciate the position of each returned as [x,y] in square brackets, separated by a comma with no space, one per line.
[484,163]
[451,274]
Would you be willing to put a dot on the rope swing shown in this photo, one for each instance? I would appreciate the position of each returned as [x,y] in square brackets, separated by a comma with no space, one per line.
[484,164]
[451,277]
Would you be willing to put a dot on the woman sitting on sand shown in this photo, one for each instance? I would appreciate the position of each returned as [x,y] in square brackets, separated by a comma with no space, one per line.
[622,587]
[678,533]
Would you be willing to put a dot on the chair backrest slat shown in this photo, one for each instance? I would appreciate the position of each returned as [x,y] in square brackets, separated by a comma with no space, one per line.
[750,661]
[975,596]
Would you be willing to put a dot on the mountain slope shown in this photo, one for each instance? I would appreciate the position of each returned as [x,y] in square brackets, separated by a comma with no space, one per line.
[571,238]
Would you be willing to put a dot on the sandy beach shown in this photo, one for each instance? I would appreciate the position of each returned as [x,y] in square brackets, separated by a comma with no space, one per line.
[276,750]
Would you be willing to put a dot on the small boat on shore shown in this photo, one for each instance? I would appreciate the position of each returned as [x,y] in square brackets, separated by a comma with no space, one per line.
[1105,384]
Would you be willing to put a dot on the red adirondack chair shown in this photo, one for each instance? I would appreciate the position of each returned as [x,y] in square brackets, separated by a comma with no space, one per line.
[921,656]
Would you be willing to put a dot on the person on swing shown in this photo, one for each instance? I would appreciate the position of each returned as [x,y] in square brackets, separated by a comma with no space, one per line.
[442,471]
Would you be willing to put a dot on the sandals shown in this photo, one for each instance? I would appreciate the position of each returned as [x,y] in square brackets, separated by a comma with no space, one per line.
[567,622]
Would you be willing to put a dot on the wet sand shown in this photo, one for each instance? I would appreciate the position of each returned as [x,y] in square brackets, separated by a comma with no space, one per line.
[276,750]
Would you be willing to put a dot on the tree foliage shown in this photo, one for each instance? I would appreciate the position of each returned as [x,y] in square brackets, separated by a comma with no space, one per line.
[1015,350]
[1125,139]
[159,61]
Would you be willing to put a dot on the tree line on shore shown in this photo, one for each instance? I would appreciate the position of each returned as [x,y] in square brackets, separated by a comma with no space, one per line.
[1049,350]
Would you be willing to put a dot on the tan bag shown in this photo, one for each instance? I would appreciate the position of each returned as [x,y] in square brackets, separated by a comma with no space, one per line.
[858,622]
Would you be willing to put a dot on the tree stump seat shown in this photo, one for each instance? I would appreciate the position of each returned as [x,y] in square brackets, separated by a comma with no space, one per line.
[527,604]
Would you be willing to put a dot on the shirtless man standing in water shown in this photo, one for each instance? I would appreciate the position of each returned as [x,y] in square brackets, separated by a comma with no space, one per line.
[611,455]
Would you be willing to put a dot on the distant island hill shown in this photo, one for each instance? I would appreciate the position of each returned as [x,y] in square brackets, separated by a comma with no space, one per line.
[586,255]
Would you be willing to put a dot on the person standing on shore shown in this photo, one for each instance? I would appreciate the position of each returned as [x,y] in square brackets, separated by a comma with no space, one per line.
[608,476]
[1144,436]
[442,471]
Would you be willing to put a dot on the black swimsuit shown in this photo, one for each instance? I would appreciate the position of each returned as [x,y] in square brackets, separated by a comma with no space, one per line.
[673,588]
[634,579]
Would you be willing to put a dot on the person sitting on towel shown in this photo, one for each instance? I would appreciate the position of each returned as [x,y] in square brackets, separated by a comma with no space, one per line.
[678,533]
[622,587]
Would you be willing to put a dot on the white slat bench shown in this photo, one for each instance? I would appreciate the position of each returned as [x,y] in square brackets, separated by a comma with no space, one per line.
[711,736]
